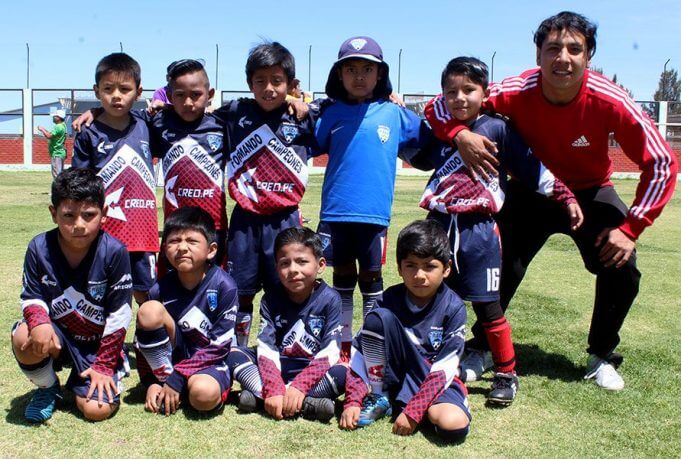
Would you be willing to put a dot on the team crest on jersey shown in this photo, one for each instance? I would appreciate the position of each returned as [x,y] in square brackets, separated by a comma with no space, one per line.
[435,338]
[383,133]
[316,324]
[214,141]
[96,290]
[358,43]
[212,298]
[290,132]
[145,149]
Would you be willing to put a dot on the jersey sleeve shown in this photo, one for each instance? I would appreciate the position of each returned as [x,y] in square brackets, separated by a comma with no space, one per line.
[117,313]
[34,308]
[269,362]
[445,365]
[82,150]
[220,338]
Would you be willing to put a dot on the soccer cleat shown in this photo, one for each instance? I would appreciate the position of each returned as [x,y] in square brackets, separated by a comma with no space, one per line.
[42,404]
[504,388]
[248,402]
[320,409]
[604,373]
[374,407]
[474,364]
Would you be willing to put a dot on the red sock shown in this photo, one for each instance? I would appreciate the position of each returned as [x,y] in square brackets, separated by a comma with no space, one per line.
[498,333]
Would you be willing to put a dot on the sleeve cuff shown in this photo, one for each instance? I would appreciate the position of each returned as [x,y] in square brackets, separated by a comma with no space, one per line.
[176,381]
[632,227]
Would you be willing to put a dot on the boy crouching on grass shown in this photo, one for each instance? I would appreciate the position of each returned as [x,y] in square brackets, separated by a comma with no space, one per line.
[409,347]
[295,369]
[75,300]
[185,330]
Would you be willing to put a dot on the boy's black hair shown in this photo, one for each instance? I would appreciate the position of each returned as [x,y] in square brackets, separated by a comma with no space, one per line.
[473,68]
[424,239]
[183,67]
[568,20]
[78,185]
[335,89]
[268,54]
[304,236]
[119,63]
[190,218]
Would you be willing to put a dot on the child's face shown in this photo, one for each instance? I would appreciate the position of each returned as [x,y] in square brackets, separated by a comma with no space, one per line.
[78,222]
[191,95]
[269,86]
[298,269]
[188,251]
[117,92]
[359,78]
[464,97]
[422,277]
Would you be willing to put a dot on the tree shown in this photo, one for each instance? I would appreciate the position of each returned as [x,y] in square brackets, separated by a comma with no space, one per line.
[669,89]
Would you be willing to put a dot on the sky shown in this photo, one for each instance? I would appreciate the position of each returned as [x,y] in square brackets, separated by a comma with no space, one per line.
[66,40]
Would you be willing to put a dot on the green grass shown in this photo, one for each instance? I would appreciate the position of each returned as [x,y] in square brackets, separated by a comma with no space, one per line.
[556,413]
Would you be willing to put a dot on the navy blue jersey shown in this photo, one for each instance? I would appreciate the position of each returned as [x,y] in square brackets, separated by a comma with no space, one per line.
[89,303]
[123,160]
[268,153]
[309,332]
[204,316]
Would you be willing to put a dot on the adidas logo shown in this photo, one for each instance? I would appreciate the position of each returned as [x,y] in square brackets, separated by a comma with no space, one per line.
[581,142]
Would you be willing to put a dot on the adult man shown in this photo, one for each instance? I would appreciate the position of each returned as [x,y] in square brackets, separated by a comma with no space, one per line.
[56,140]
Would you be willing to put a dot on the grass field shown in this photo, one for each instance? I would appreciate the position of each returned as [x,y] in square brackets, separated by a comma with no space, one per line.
[556,413]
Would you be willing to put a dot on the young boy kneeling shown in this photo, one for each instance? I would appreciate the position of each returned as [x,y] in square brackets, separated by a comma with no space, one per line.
[185,330]
[299,341]
[409,348]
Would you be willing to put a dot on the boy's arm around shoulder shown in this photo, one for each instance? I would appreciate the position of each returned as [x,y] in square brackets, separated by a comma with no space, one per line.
[83,149]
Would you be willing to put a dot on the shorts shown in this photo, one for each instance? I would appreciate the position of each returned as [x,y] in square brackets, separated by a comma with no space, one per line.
[143,270]
[347,242]
[251,247]
[476,255]
[218,372]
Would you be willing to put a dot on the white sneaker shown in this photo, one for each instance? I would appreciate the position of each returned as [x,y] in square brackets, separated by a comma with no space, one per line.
[604,373]
[474,363]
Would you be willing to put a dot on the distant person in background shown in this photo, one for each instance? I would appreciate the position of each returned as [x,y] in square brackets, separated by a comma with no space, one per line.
[56,140]
[297,93]
[162,94]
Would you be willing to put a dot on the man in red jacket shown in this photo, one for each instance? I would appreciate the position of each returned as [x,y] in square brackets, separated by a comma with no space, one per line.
[566,113]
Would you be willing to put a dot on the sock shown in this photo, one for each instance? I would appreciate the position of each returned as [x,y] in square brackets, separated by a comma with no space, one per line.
[373,349]
[41,374]
[157,350]
[345,285]
[245,372]
[498,334]
[243,327]
[372,291]
[331,385]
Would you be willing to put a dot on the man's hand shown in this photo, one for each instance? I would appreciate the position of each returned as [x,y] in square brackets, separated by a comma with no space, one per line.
[297,107]
[293,402]
[101,383]
[170,398]
[404,425]
[349,418]
[274,406]
[477,152]
[576,216]
[151,400]
[41,340]
[86,118]
[616,247]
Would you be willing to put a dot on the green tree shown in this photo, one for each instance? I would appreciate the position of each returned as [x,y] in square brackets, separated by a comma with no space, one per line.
[669,89]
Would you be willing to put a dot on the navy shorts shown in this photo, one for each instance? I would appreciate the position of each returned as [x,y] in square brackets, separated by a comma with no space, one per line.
[79,357]
[143,269]
[251,247]
[349,242]
[218,372]
[476,255]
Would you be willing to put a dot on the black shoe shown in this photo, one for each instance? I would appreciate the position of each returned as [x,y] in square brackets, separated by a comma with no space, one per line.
[319,409]
[504,388]
[248,402]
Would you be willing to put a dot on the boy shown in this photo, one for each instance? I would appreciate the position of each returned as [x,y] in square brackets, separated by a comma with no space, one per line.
[185,330]
[409,348]
[465,207]
[266,172]
[116,146]
[298,344]
[75,302]
[56,140]
[363,132]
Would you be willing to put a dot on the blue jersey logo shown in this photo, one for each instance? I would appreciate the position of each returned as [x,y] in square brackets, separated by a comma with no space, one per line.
[383,133]
[290,131]
[214,141]
[97,290]
[145,149]
[212,297]
[435,338]
[316,324]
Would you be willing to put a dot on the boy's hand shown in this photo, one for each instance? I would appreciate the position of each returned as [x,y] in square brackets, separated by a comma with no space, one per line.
[293,402]
[404,425]
[151,400]
[617,247]
[477,151]
[41,340]
[298,107]
[86,118]
[396,99]
[349,418]
[155,106]
[170,397]
[576,216]
[101,383]
[274,406]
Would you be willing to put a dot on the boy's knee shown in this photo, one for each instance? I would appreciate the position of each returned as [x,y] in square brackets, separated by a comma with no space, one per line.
[92,411]
[19,336]
[378,320]
[150,315]
[448,417]
[204,392]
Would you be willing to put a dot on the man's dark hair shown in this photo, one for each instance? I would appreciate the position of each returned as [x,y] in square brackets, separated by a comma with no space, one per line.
[190,218]
[268,54]
[424,239]
[303,236]
[183,67]
[119,63]
[473,68]
[567,20]
[78,185]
